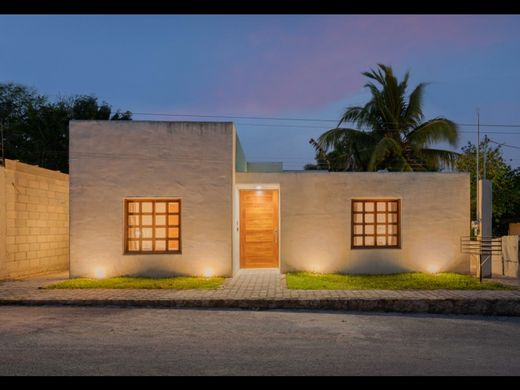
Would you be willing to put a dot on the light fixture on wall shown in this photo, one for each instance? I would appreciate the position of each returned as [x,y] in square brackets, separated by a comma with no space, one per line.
[475,226]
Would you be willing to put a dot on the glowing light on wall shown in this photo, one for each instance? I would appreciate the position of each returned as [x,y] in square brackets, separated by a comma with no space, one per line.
[100,273]
[208,273]
[433,268]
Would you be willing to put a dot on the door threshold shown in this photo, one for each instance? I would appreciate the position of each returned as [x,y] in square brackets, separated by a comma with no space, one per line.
[259,269]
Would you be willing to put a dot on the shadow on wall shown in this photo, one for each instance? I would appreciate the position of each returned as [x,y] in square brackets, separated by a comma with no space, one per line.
[159,272]
[369,264]
[155,272]
[105,271]
[432,258]
[375,265]
[162,266]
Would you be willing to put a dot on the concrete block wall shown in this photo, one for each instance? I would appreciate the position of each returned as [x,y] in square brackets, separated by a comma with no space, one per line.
[507,263]
[34,220]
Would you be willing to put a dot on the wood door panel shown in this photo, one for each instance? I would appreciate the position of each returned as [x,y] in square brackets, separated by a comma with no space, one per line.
[253,209]
[259,236]
[258,225]
[258,228]
[259,249]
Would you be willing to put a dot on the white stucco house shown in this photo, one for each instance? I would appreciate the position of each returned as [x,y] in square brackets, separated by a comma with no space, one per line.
[165,198]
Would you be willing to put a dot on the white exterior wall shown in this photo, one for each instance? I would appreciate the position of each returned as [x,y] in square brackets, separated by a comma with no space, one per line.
[113,160]
[315,231]
[195,161]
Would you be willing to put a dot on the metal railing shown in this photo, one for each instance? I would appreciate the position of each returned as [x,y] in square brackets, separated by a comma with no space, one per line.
[484,247]
[481,245]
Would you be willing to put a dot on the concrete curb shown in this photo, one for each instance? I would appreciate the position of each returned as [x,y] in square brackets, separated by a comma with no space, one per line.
[489,307]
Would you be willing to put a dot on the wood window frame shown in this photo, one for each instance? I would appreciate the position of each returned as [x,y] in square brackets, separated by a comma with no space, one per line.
[167,213]
[363,224]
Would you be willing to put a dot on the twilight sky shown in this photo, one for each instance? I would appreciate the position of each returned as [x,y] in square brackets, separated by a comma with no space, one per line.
[272,66]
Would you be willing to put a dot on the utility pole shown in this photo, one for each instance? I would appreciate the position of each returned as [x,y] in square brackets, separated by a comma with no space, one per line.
[2,142]
[478,160]
[485,155]
[477,203]
[484,211]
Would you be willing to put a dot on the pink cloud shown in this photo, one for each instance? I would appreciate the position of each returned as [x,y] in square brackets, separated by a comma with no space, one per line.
[319,61]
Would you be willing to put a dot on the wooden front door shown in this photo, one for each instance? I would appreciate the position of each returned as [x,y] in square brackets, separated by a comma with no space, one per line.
[259,228]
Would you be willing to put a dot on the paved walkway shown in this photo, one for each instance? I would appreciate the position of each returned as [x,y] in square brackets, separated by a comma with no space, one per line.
[254,283]
[266,289]
[515,282]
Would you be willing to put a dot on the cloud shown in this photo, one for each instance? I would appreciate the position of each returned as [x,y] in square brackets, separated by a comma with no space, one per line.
[308,62]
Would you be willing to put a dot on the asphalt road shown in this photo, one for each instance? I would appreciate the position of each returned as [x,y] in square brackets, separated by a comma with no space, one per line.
[112,341]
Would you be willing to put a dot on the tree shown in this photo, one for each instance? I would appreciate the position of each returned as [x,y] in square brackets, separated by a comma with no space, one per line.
[331,161]
[505,183]
[36,130]
[391,133]
[86,107]
[16,101]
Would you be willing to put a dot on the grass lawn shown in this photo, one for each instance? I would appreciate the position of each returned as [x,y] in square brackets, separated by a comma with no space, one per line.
[402,281]
[179,283]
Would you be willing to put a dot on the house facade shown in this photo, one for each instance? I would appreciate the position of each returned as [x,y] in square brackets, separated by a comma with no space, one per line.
[165,198]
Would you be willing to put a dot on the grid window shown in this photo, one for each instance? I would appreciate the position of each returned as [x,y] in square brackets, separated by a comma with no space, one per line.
[376,223]
[152,226]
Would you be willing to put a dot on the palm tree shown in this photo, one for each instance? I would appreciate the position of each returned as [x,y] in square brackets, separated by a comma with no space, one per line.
[391,133]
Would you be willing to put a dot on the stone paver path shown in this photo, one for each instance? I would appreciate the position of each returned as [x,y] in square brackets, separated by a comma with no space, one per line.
[266,288]
[253,283]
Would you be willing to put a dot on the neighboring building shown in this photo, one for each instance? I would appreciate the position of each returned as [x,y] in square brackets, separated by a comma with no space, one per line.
[162,198]
[514,229]
[34,220]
